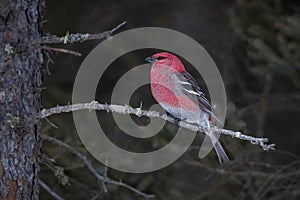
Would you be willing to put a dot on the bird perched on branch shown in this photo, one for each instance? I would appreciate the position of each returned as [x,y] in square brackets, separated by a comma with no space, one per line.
[180,95]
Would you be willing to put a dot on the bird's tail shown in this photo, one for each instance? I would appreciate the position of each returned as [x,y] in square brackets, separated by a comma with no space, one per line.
[221,153]
[222,156]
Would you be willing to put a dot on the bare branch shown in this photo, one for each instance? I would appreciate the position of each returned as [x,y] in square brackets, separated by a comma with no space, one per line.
[48,189]
[79,37]
[87,163]
[94,105]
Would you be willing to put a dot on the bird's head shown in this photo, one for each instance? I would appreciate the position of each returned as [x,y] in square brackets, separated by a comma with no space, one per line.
[168,59]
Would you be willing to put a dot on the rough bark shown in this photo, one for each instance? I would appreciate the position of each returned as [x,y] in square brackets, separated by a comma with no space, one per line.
[20,83]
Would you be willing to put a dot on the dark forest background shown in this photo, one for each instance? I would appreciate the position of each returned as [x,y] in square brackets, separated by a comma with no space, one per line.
[255,45]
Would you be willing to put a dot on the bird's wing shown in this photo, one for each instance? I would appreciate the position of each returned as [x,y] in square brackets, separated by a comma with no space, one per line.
[194,89]
[191,87]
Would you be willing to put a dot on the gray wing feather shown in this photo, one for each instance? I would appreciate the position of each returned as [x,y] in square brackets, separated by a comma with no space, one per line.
[195,89]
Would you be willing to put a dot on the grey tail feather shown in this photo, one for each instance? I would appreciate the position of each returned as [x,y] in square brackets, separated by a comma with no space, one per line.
[221,152]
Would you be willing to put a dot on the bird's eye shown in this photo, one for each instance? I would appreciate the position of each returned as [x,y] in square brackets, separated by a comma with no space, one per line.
[161,58]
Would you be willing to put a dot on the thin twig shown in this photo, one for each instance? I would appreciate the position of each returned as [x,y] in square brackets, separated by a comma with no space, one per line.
[94,105]
[96,196]
[49,60]
[79,37]
[67,51]
[90,167]
[52,124]
[263,187]
[253,140]
[47,162]
[251,172]
[48,189]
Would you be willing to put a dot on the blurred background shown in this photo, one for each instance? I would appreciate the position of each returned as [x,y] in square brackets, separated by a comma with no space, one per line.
[256,46]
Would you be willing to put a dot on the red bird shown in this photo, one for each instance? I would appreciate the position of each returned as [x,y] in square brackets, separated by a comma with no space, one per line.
[180,95]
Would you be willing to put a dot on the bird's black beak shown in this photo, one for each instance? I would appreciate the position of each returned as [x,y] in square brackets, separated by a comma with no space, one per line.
[150,59]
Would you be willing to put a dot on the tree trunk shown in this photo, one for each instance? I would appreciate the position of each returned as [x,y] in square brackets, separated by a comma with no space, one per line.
[20,99]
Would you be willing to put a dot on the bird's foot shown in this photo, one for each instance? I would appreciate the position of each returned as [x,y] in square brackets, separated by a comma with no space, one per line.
[176,119]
